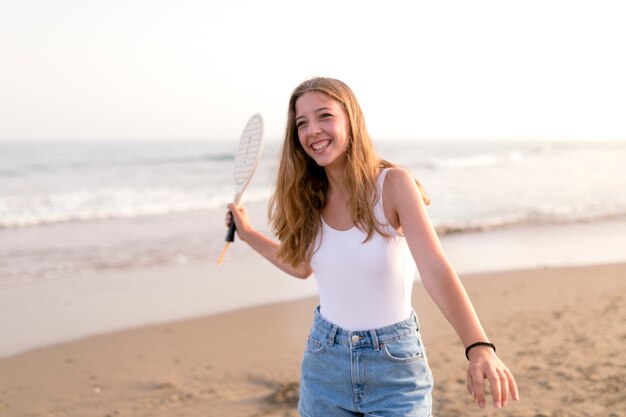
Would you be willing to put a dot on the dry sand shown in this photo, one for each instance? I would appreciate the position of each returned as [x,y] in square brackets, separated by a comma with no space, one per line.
[562,331]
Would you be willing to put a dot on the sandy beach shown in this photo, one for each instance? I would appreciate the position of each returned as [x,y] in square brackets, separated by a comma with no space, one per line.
[561,330]
[120,146]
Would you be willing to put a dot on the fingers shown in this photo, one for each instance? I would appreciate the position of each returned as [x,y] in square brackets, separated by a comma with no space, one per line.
[501,384]
[470,385]
[512,384]
[478,388]
[232,214]
[233,208]
[238,215]
[229,218]
[496,388]
[504,386]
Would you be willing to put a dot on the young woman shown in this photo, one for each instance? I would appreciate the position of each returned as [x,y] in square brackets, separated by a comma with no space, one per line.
[360,224]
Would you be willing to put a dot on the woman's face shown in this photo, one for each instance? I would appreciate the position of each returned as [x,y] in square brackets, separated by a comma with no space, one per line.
[323,128]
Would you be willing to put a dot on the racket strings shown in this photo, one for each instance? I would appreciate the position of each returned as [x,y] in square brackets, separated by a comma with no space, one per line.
[248,153]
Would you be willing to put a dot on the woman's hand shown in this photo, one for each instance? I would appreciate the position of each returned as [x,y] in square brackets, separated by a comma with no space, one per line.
[242,221]
[484,364]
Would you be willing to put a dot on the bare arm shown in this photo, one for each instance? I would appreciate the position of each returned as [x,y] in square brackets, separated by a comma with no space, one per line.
[445,288]
[263,244]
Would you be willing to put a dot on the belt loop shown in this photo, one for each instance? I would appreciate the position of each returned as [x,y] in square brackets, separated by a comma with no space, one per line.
[331,336]
[374,340]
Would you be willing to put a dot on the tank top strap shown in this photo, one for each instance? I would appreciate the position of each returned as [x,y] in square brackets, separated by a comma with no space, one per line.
[381,179]
[379,211]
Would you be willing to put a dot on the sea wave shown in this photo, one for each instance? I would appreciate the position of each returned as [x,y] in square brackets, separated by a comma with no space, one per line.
[474,161]
[563,216]
[112,203]
[20,211]
[21,168]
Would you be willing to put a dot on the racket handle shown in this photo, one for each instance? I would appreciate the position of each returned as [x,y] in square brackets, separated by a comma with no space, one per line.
[230,236]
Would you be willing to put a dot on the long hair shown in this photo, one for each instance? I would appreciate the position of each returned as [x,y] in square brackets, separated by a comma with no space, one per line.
[302,186]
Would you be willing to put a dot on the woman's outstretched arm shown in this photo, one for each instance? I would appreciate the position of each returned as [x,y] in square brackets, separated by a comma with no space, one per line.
[443,285]
[261,243]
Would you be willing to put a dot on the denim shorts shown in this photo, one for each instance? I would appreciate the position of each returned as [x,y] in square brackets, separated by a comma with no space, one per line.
[382,372]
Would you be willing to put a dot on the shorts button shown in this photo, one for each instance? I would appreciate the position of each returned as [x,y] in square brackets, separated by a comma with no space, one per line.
[355,338]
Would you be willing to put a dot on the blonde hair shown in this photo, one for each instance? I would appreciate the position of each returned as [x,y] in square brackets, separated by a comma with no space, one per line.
[301,185]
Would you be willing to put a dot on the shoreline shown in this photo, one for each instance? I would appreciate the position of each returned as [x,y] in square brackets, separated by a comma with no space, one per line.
[567,359]
[39,314]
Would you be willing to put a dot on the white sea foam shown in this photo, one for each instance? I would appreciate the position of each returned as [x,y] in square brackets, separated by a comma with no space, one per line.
[112,203]
[143,203]
[464,162]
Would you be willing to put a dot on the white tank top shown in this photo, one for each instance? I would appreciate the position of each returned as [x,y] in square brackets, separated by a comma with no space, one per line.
[364,286]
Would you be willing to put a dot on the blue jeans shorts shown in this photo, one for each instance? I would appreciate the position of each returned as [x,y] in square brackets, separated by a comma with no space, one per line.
[379,373]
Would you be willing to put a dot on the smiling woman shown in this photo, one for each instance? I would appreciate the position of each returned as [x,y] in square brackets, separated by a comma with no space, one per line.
[322,128]
[359,223]
[302,177]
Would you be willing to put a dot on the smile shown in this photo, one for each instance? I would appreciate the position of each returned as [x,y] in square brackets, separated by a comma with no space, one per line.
[320,145]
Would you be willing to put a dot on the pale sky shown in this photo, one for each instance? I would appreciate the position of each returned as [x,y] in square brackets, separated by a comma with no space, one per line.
[198,69]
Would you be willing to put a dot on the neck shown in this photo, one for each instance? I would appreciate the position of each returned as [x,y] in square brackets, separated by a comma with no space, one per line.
[335,175]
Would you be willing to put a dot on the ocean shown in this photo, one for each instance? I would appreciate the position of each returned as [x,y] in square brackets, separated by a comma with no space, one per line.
[79,207]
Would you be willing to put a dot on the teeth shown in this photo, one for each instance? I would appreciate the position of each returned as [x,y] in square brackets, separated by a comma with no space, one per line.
[319,146]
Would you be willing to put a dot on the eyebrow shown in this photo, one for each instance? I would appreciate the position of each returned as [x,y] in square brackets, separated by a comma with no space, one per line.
[316,111]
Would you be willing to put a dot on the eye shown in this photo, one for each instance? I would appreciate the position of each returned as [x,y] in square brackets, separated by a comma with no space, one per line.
[326,115]
[300,124]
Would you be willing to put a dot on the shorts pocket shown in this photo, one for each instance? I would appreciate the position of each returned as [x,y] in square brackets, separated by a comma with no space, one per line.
[315,346]
[404,350]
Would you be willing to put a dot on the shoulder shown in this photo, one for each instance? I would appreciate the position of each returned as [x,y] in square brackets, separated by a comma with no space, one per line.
[396,187]
[402,189]
[399,179]
[400,183]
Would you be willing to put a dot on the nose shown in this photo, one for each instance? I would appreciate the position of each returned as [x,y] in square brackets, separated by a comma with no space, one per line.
[314,128]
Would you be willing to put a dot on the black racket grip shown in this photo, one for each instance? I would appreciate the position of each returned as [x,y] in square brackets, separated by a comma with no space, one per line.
[230,236]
